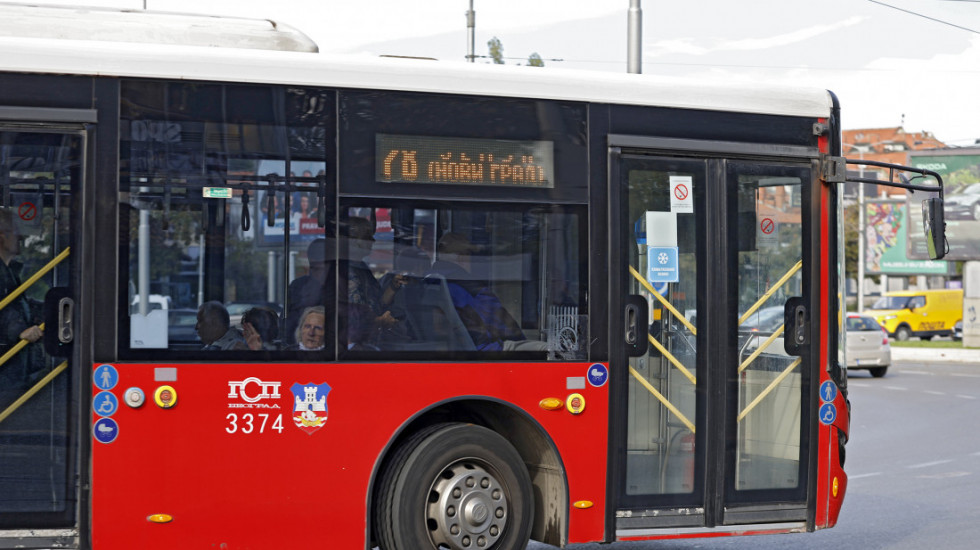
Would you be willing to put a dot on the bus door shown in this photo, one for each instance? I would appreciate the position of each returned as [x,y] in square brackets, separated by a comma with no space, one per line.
[710,317]
[41,170]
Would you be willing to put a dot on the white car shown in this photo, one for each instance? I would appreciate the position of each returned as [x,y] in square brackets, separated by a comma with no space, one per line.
[867,345]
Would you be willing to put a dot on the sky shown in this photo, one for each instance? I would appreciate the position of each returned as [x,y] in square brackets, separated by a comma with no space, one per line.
[909,63]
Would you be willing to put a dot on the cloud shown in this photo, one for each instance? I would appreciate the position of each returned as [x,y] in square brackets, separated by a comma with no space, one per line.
[696,46]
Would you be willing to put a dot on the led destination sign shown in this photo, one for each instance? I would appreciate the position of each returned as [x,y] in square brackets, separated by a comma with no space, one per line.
[464,161]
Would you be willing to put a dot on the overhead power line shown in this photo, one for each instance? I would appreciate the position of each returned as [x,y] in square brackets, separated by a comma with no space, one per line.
[917,14]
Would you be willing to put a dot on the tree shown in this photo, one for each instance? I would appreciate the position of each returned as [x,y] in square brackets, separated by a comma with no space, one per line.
[534,60]
[496,50]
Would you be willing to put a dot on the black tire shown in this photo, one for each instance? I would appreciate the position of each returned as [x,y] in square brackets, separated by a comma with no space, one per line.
[879,372]
[903,333]
[454,486]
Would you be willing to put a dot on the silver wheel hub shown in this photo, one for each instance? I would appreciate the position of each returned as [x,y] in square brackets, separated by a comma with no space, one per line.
[467,508]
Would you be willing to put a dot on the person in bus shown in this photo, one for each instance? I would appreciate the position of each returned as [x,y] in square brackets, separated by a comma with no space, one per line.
[310,334]
[316,288]
[490,325]
[16,319]
[215,330]
[367,305]
[260,328]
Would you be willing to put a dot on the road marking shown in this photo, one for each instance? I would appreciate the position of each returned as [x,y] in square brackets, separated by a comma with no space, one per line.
[944,475]
[961,375]
[933,392]
[965,396]
[927,464]
[859,476]
[858,384]
[896,388]
[922,372]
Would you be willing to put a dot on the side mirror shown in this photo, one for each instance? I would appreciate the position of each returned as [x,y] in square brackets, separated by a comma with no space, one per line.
[935,227]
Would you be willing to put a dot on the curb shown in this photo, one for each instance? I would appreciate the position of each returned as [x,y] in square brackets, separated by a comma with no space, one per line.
[936,355]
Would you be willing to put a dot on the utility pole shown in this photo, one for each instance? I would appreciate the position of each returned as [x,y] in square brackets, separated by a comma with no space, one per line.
[471,34]
[634,38]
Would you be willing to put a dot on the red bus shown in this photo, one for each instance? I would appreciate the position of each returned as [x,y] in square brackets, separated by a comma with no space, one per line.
[296,300]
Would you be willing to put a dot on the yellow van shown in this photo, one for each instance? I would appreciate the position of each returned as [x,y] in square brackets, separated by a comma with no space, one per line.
[923,313]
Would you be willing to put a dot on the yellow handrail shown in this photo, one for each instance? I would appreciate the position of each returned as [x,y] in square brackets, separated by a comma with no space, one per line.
[769,388]
[765,297]
[662,399]
[680,366]
[761,348]
[677,314]
[33,279]
[34,389]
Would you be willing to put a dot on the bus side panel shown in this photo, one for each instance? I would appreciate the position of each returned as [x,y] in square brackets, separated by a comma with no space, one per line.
[233,469]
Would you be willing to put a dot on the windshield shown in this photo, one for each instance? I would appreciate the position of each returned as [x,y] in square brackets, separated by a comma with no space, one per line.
[891,302]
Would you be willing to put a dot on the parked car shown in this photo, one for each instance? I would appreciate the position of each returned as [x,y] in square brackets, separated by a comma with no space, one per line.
[765,320]
[958,331]
[964,205]
[867,345]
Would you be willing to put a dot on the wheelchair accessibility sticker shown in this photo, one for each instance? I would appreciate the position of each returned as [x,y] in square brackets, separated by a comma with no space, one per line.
[828,413]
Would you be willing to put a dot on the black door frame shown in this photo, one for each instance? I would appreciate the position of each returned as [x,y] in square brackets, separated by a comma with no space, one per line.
[713,340]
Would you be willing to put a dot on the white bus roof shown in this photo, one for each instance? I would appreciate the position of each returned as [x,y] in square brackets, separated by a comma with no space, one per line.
[117,25]
[230,64]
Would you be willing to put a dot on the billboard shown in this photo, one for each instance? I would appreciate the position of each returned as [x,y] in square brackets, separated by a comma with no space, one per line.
[960,170]
[886,233]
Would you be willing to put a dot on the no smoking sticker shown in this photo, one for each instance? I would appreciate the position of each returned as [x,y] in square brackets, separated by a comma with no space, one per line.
[768,231]
[27,211]
[681,200]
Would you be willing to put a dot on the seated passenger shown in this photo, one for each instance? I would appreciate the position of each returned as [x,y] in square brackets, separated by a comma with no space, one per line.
[214,328]
[490,325]
[310,333]
[314,289]
[260,328]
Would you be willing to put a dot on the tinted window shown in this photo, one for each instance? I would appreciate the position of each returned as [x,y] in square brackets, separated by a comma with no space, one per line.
[221,192]
[437,277]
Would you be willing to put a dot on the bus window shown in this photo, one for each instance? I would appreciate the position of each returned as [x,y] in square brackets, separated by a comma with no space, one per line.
[507,279]
[220,187]
[770,447]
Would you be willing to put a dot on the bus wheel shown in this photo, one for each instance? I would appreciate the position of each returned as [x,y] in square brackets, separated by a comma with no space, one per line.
[903,333]
[455,486]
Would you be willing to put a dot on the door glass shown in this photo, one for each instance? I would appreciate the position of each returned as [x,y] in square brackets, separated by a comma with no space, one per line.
[769,381]
[38,172]
[662,412]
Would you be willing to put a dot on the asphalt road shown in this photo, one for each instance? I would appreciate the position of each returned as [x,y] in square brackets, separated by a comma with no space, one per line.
[913,462]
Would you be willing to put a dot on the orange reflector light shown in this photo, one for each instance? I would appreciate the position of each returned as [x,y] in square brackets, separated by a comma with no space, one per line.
[583,504]
[159,518]
[836,487]
[551,403]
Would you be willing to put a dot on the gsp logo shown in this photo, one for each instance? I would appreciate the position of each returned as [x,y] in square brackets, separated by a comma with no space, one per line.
[252,390]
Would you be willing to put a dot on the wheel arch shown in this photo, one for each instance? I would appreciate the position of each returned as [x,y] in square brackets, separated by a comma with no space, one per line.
[538,452]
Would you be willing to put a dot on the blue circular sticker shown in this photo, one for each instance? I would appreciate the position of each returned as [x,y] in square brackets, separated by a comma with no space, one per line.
[828,391]
[598,375]
[105,430]
[828,413]
[105,377]
[105,404]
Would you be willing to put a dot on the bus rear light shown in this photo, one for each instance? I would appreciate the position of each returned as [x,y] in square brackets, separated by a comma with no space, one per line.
[159,518]
[551,403]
